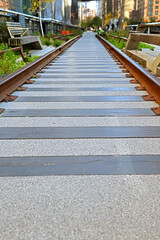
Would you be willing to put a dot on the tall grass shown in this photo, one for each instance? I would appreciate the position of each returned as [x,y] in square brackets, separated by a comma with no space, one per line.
[58,42]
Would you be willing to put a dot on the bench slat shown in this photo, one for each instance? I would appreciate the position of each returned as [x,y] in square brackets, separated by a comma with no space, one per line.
[16,31]
[13,25]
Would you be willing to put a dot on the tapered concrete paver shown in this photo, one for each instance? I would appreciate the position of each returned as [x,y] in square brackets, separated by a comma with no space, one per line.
[78,121]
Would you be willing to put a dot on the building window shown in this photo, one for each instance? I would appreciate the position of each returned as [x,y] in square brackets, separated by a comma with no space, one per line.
[156,13]
[156,7]
[157,2]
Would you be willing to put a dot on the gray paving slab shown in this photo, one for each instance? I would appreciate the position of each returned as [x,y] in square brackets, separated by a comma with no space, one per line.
[83,80]
[82,61]
[82,67]
[80,207]
[78,132]
[80,165]
[85,98]
[83,64]
[71,71]
[82,75]
[78,121]
[77,112]
[86,95]
[42,51]
[66,84]
[81,89]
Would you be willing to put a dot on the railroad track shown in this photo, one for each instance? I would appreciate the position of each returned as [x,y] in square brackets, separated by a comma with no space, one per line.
[14,81]
[84,114]
[79,87]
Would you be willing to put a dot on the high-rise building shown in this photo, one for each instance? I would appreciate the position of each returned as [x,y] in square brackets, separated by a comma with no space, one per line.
[14,5]
[17,6]
[155,9]
[54,15]
[103,11]
[57,10]
[98,8]
[127,7]
[115,4]
[74,12]
[149,9]
[143,9]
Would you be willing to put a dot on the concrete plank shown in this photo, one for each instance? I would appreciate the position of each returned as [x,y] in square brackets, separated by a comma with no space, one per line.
[79,99]
[76,112]
[80,165]
[78,132]
[79,121]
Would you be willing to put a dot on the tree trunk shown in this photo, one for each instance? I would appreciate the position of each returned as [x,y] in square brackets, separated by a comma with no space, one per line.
[40,16]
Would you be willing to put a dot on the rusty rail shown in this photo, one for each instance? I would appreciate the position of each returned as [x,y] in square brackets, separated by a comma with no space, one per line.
[120,38]
[14,50]
[16,79]
[148,81]
[55,37]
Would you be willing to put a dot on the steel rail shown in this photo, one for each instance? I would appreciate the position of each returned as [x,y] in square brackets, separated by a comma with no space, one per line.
[149,82]
[120,38]
[10,83]
[14,50]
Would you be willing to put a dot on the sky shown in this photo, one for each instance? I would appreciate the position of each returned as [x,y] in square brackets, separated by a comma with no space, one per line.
[91,5]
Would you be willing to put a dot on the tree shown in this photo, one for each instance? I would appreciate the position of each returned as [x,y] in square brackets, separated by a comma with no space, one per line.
[88,22]
[152,19]
[132,21]
[37,6]
[96,21]
[122,6]
[108,18]
[83,24]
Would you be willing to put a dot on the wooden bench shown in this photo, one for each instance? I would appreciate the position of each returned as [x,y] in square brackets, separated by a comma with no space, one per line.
[18,38]
[150,62]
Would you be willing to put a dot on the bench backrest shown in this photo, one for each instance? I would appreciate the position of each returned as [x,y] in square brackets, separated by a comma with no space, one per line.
[15,29]
[135,38]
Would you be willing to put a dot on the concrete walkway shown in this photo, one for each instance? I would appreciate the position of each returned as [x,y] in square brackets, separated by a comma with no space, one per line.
[42,51]
[79,155]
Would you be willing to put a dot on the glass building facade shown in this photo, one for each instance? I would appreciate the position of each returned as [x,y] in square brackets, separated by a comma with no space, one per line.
[17,11]
[14,5]
[74,12]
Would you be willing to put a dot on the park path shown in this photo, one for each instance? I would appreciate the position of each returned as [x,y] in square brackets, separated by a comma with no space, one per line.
[79,155]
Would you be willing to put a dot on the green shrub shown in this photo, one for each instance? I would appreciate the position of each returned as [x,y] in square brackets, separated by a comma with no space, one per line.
[49,41]
[58,42]
[119,44]
[76,31]
[35,33]
[145,45]
[120,33]
[70,37]
[3,47]
[45,41]
[32,58]
[8,62]
[4,35]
